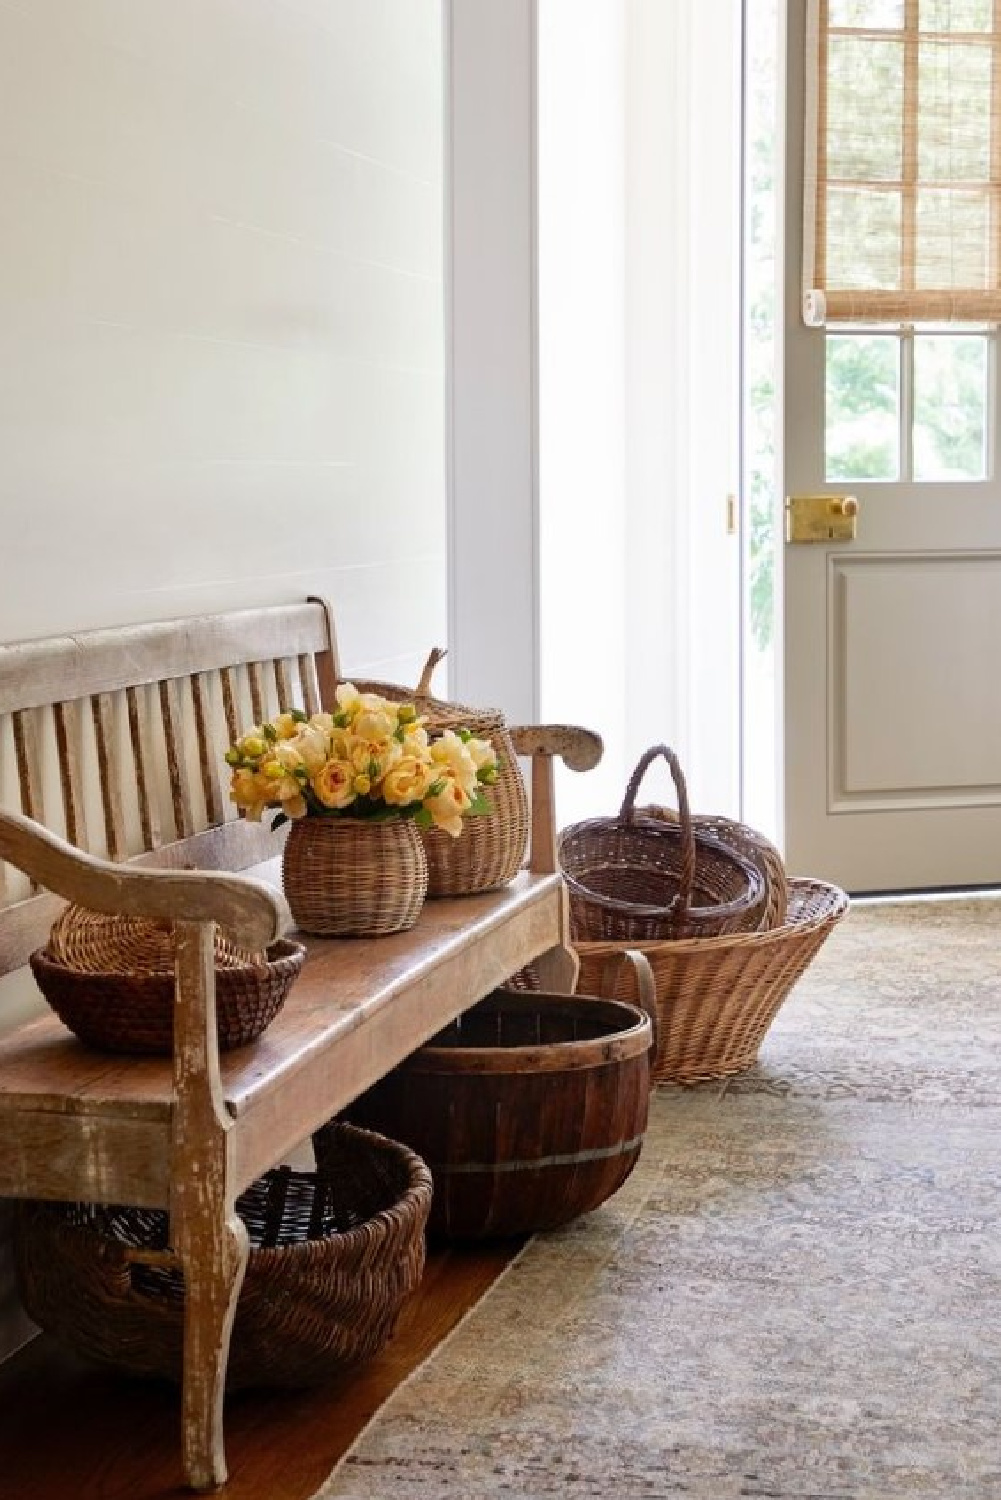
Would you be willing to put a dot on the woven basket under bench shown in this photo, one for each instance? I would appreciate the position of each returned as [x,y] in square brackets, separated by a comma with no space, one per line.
[334,1254]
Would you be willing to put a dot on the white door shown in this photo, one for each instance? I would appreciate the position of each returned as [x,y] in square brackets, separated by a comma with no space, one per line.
[892,683]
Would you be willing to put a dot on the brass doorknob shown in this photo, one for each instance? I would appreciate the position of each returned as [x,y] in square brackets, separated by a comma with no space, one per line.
[821,518]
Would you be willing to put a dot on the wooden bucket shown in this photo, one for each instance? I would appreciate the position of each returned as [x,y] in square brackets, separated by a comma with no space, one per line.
[530,1109]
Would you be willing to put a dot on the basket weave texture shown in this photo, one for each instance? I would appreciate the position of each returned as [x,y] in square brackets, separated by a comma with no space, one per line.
[637,878]
[354,877]
[717,997]
[761,852]
[491,847]
[333,1256]
[529,1109]
[110,980]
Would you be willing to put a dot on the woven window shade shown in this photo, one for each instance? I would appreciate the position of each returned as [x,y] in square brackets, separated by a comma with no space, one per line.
[902,203]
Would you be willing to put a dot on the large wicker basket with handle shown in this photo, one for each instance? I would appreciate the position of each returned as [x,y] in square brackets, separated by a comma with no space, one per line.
[333,1256]
[636,878]
[717,997]
[491,847]
[110,979]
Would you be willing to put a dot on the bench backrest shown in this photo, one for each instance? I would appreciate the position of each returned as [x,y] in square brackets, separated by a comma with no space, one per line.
[115,740]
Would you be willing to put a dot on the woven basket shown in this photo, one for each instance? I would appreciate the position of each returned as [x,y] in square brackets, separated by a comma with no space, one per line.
[110,979]
[642,879]
[753,846]
[491,847]
[717,997]
[333,1256]
[354,877]
[529,1109]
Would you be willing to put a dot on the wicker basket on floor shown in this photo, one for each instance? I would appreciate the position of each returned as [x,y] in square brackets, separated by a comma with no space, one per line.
[333,1256]
[717,997]
[491,848]
[753,846]
[643,879]
[110,979]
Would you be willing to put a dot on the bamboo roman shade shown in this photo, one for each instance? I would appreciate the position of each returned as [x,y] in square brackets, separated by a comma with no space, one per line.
[903,162]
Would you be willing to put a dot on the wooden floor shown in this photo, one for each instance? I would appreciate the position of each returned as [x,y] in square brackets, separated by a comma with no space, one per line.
[70,1432]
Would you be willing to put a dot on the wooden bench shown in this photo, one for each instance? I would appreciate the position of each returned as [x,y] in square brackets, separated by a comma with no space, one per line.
[112,744]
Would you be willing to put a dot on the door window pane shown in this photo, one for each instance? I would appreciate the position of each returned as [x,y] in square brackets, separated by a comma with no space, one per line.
[950,401]
[877,14]
[862,420]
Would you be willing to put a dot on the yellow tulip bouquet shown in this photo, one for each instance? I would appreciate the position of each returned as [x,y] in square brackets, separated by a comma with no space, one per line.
[371,758]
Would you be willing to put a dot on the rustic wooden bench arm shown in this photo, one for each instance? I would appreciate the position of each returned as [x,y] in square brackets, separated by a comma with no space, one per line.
[246,909]
[580,749]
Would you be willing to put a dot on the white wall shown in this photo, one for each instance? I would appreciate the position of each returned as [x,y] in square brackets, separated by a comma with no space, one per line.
[491,315]
[222,323]
[222,312]
[582,387]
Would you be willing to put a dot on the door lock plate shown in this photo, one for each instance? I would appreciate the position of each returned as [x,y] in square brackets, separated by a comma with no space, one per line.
[821,518]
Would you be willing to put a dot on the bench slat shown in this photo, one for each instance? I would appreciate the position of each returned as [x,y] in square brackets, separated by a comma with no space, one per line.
[141,735]
[208,750]
[69,748]
[177,768]
[109,762]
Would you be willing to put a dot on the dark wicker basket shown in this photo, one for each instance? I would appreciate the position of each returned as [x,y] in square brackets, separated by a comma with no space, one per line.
[333,1256]
[530,1109]
[642,879]
[134,1012]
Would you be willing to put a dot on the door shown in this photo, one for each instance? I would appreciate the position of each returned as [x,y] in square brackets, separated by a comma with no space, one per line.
[892,684]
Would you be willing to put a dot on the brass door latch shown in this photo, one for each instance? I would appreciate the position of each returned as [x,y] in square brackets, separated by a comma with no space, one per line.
[821,518]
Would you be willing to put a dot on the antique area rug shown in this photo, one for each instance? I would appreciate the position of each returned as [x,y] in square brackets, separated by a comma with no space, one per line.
[796,1295]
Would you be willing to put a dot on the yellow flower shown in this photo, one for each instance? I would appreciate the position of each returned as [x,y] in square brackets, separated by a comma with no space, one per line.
[482,754]
[285,726]
[375,726]
[362,785]
[348,697]
[452,755]
[448,806]
[406,782]
[334,784]
[252,746]
[312,748]
[295,807]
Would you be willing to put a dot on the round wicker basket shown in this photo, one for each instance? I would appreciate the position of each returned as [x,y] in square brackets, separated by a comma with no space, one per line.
[110,980]
[717,997]
[491,848]
[638,879]
[333,1256]
[354,877]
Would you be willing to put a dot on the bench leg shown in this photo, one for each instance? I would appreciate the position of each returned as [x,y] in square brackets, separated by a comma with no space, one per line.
[557,970]
[213,1265]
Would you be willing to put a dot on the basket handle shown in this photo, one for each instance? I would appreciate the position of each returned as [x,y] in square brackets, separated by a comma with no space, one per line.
[437,654]
[627,813]
[646,987]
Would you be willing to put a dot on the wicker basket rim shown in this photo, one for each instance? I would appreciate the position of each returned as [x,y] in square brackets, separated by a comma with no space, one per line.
[755,881]
[836,905]
[279,954]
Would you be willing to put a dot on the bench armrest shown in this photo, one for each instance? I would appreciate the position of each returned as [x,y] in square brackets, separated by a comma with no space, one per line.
[580,750]
[247,910]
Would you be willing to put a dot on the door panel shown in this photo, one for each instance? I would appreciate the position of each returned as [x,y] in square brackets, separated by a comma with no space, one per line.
[892,693]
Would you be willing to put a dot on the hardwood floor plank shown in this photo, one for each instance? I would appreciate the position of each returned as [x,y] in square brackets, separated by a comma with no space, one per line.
[69,1429]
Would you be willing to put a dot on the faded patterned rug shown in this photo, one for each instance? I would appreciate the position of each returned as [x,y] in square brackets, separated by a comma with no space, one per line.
[796,1295]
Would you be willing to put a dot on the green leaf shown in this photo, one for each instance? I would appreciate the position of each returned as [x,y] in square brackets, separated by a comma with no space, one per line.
[423,818]
[269,732]
[299,717]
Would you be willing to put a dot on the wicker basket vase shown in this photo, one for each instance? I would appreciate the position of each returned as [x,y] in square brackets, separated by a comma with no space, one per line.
[639,879]
[110,979]
[334,1254]
[753,846]
[530,1109]
[491,848]
[717,997]
[354,877]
